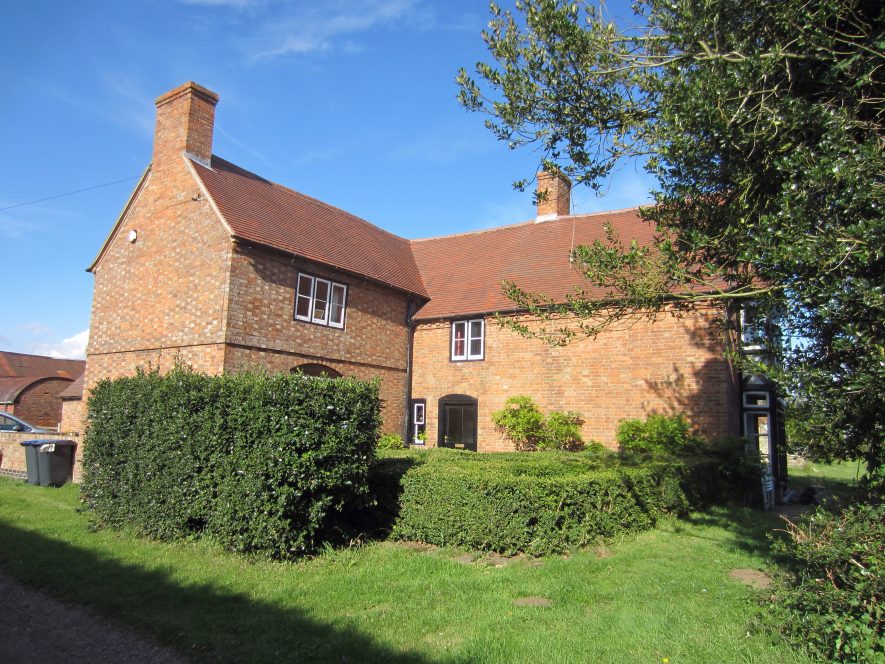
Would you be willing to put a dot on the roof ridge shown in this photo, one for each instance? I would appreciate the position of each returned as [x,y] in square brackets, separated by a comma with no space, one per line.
[565,217]
[295,192]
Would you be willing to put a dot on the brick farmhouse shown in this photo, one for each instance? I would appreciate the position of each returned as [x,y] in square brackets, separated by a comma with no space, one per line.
[225,270]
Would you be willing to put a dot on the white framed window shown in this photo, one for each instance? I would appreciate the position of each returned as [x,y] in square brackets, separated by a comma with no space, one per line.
[752,327]
[468,339]
[755,399]
[320,301]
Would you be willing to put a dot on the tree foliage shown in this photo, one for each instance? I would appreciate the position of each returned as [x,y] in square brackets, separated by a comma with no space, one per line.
[762,123]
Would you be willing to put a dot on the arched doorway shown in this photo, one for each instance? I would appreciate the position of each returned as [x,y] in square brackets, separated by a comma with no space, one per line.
[457,422]
[316,370]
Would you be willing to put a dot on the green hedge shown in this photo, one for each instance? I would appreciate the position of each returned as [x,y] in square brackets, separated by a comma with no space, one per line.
[260,463]
[832,600]
[540,503]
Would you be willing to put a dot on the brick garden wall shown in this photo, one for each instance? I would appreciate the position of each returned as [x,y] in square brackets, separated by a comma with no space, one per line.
[12,454]
[671,366]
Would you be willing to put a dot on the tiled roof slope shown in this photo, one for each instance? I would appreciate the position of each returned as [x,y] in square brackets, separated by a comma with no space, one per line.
[463,273]
[11,387]
[269,214]
[22,364]
[74,390]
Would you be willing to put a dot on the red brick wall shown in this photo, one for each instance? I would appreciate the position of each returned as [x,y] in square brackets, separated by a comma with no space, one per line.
[671,366]
[168,289]
[39,403]
[262,330]
[71,417]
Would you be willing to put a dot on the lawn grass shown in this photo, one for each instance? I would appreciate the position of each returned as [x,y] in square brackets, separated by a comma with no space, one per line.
[665,593]
[830,479]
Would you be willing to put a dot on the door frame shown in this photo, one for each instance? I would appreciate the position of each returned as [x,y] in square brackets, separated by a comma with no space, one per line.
[456,400]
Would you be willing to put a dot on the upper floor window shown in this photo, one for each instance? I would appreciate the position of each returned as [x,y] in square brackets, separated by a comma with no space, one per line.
[468,339]
[320,301]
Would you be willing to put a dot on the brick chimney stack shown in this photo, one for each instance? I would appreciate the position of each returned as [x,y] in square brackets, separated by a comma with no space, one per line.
[554,196]
[185,122]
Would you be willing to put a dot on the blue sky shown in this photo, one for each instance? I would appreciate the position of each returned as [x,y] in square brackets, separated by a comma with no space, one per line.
[352,102]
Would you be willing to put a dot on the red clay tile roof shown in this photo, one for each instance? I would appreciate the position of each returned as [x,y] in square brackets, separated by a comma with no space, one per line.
[269,214]
[21,364]
[74,390]
[463,273]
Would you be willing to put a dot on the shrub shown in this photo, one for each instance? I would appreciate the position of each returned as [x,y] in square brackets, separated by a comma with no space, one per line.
[831,600]
[538,504]
[522,422]
[657,433]
[390,441]
[562,431]
[258,462]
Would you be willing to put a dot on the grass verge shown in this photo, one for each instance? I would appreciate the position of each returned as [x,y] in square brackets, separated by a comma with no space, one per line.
[666,593]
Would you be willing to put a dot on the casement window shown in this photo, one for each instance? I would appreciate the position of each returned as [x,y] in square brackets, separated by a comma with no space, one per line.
[468,339]
[320,301]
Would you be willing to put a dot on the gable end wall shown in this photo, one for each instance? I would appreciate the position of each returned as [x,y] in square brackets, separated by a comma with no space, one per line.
[163,296]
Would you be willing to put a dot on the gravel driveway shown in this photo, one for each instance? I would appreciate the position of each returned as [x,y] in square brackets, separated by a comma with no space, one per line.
[38,628]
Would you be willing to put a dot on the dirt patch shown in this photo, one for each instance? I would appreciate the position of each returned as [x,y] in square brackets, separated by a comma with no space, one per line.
[464,558]
[497,560]
[602,552]
[751,577]
[532,601]
[38,628]
[419,547]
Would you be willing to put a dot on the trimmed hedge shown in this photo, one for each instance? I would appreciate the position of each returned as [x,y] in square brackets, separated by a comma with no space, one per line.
[540,503]
[260,463]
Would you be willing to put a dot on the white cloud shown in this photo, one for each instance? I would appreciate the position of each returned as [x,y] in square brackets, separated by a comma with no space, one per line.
[72,348]
[324,27]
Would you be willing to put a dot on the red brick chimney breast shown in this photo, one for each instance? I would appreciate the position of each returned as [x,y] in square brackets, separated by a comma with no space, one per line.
[185,122]
[554,196]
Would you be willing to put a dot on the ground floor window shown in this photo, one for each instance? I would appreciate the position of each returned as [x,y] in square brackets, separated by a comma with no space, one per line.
[419,421]
[457,422]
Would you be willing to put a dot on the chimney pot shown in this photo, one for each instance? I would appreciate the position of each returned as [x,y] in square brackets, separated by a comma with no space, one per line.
[185,123]
[554,196]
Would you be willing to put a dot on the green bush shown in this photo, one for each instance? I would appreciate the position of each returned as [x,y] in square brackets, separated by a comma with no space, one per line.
[663,434]
[562,431]
[523,423]
[830,603]
[390,441]
[538,504]
[257,462]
